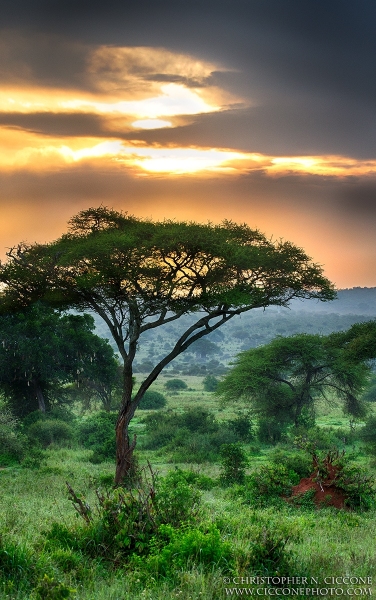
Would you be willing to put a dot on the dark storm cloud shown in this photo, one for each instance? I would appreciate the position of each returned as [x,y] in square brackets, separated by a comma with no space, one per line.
[308,67]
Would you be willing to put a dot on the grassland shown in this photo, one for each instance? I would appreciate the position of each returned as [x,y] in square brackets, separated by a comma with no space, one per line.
[319,544]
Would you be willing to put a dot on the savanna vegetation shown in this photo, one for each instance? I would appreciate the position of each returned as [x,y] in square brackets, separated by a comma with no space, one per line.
[264,468]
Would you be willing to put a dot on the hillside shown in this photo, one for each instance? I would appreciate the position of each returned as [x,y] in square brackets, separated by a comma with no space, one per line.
[252,329]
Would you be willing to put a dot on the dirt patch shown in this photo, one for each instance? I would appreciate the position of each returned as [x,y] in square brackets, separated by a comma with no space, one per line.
[326,493]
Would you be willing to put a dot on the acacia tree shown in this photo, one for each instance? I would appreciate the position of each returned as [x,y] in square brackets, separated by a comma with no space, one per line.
[139,275]
[283,379]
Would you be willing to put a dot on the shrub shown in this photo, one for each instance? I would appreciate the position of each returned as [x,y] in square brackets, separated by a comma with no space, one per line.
[242,426]
[50,431]
[298,462]
[268,554]
[210,383]
[268,483]
[176,500]
[12,442]
[152,401]
[181,549]
[270,431]
[234,462]
[50,589]
[368,433]
[175,385]
[358,486]
[97,433]
[125,520]
[192,436]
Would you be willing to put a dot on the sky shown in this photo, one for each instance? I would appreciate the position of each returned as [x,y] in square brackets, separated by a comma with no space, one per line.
[257,111]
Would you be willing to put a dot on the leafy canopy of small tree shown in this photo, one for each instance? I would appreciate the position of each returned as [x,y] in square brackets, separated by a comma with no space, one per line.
[41,351]
[139,275]
[283,379]
[175,385]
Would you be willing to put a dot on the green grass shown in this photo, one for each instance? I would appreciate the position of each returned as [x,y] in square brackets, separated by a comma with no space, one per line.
[322,543]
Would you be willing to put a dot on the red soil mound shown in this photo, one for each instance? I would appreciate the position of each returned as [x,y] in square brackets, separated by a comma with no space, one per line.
[326,491]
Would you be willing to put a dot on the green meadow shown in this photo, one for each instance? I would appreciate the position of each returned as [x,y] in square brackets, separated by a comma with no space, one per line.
[221,533]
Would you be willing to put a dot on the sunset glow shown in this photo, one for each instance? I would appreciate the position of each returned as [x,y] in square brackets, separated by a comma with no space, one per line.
[172,132]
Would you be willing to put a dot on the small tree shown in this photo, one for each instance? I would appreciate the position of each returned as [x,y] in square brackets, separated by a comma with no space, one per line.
[283,379]
[175,385]
[41,351]
[139,275]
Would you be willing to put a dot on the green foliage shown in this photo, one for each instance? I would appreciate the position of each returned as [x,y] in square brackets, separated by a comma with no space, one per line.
[269,555]
[234,462]
[210,383]
[13,444]
[175,385]
[42,351]
[297,462]
[125,520]
[271,430]
[242,426]
[50,431]
[173,550]
[191,436]
[368,433]
[97,433]
[50,589]
[283,379]
[369,394]
[16,563]
[177,501]
[269,483]
[358,485]
[153,400]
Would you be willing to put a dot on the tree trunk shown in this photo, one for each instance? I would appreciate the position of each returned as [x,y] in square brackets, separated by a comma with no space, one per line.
[124,450]
[40,397]
[124,447]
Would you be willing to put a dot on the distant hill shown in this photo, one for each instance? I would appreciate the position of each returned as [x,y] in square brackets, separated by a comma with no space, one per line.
[255,328]
[354,301]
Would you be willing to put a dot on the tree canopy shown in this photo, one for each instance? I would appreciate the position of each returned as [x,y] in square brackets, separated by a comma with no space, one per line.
[41,351]
[283,379]
[139,275]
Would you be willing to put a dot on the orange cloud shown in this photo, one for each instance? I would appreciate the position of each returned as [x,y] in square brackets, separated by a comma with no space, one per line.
[20,149]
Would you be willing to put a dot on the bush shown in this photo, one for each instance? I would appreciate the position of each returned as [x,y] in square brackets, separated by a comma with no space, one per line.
[234,462]
[270,431]
[298,462]
[175,385]
[358,486]
[192,436]
[242,426]
[176,550]
[176,500]
[125,520]
[50,431]
[97,433]
[12,442]
[16,563]
[152,401]
[269,483]
[368,433]
[268,553]
[210,383]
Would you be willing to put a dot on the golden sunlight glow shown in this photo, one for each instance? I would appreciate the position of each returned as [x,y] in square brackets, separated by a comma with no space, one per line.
[151,124]
[22,149]
[174,100]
